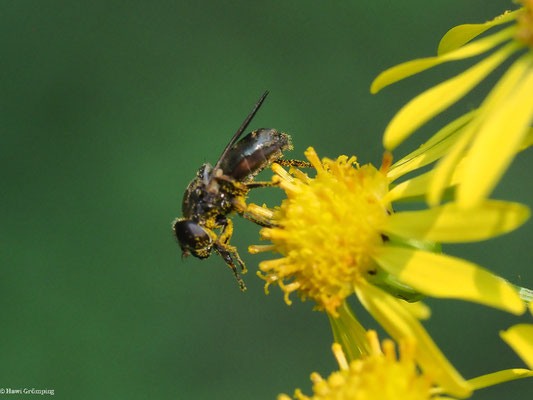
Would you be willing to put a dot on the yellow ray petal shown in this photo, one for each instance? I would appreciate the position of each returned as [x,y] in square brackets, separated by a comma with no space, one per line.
[528,140]
[420,185]
[461,34]
[432,150]
[429,103]
[412,67]
[400,324]
[410,188]
[520,338]
[419,310]
[506,375]
[453,224]
[439,275]
[445,168]
[497,142]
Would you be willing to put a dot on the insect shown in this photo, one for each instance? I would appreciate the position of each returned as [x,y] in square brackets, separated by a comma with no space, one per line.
[218,191]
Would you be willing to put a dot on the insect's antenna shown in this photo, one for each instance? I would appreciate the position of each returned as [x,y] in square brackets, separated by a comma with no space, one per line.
[240,131]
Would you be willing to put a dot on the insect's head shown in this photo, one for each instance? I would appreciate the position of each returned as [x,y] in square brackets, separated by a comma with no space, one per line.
[192,238]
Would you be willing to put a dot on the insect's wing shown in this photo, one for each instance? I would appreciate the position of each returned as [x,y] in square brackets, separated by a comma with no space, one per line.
[241,130]
[253,153]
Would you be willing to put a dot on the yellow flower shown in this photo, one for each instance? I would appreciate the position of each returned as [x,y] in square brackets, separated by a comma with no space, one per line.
[379,375]
[520,338]
[338,234]
[483,142]
[382,376]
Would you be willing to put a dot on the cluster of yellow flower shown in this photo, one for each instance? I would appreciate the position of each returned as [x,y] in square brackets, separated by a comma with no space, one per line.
[338,232]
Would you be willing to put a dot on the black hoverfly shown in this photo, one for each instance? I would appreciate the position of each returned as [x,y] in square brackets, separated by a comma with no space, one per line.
[218,191]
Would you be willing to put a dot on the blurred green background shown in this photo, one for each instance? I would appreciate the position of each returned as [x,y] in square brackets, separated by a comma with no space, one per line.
[107,111]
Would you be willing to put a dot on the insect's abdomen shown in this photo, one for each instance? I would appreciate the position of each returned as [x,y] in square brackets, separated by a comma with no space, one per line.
[255,152]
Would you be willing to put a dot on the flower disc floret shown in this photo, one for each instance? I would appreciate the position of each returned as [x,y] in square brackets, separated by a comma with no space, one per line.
[380,375]
[327,229]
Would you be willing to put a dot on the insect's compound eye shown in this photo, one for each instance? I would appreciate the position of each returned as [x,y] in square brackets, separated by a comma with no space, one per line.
[192,238]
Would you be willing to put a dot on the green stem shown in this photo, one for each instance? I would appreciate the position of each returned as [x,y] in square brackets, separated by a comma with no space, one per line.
[349,333]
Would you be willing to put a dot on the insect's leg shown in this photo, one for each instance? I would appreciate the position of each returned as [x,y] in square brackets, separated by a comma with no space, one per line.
[239,187]
[257,220]
[226,252]
[235,254]
[258,215]
[256,185]
[226,231]
[223,240]
[252,212]
[294,163]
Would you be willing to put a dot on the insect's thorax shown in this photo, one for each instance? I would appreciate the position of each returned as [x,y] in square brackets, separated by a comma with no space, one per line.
[207,200]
